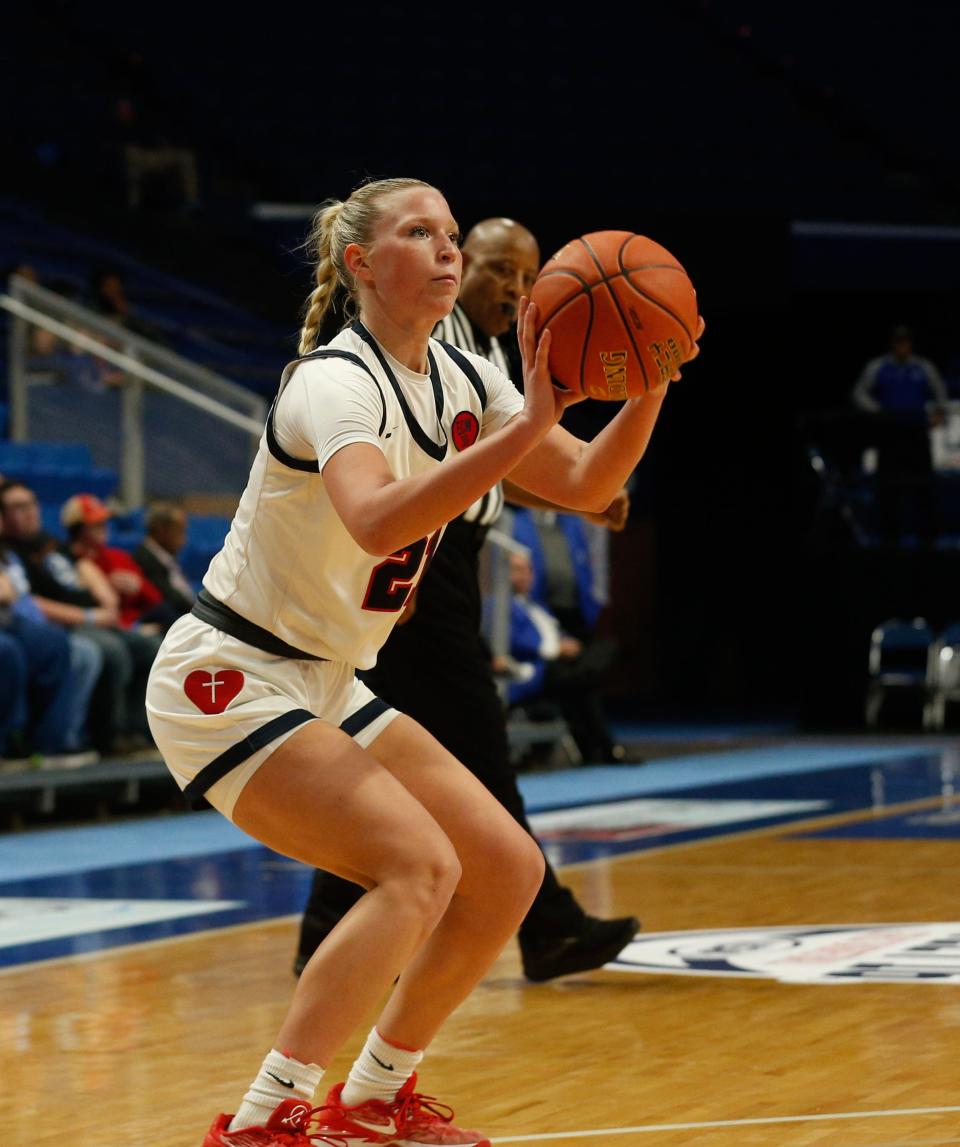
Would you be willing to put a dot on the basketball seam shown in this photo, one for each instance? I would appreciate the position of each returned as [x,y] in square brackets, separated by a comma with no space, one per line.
[663,307]
[650,298]
[586,340]
[616,303]
[573,275]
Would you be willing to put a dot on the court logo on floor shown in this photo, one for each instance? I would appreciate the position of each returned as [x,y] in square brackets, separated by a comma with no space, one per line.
[812,954]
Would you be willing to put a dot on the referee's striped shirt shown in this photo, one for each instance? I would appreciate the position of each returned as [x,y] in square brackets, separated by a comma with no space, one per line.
[457,329]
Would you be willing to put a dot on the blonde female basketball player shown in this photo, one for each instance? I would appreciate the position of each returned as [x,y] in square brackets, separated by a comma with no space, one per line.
[374,442]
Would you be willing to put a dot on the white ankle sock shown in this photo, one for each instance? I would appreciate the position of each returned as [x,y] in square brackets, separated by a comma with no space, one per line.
[280,1077]
[379,1071]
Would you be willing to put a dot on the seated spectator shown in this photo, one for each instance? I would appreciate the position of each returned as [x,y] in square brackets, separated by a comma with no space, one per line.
[548,664]
[45,680]
[65,361]
[157,554]
[75,593]
[141,603]
[108,295]
[564,578]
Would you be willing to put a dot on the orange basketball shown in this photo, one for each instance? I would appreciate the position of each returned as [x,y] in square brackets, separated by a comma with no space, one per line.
[622,314]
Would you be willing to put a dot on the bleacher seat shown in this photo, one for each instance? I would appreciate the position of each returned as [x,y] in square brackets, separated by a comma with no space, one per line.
[205,534]
[209,329]
[56,470]
[943,676]
[898,663]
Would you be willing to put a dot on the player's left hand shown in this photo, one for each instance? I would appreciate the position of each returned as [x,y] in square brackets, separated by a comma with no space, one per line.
[695,349]
[535,353]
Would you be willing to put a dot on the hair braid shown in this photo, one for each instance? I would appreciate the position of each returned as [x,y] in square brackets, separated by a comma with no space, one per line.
[325,273]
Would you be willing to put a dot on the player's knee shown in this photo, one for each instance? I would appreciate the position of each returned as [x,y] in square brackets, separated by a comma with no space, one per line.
[522,864]
[432,879]
[534,866]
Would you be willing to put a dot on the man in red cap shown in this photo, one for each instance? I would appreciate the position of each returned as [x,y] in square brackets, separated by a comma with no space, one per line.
[141,604]
[76,593]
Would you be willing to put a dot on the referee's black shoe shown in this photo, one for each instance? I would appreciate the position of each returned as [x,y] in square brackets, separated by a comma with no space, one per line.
[594,943]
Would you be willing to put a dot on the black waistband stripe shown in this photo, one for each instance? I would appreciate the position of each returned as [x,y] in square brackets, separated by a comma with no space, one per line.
[222,617]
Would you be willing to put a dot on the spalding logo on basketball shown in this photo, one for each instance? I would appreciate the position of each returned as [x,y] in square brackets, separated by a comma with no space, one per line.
[622,314]
[465,429]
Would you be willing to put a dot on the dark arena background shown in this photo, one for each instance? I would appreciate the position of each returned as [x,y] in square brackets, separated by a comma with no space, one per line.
[795,161]
[774,818]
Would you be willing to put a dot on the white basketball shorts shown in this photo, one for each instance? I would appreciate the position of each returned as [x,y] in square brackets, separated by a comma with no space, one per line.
[218,707]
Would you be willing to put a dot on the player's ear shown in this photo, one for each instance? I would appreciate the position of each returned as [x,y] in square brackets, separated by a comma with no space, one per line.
[355,259]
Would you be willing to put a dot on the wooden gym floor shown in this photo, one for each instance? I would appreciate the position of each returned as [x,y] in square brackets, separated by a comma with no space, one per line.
[796,982]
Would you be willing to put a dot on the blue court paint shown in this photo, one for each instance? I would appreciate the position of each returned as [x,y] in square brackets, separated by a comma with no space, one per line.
[255,883]
[176,875]
[574,787]
[85,849]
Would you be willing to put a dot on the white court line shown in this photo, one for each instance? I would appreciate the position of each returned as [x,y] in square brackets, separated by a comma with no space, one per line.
[649,1127]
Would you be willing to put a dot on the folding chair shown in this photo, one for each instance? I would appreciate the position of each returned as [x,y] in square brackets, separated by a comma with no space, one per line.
[898,661]
[943,676]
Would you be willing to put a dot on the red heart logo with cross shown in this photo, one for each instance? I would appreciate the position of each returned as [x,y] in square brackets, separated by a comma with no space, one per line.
[213,692]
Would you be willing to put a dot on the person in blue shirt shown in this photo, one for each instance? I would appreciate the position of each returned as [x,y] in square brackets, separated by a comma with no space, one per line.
[564,574]
[45,683]
[905,395]
[549,664]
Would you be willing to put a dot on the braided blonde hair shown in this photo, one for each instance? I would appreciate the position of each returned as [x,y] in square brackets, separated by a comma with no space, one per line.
[335,226]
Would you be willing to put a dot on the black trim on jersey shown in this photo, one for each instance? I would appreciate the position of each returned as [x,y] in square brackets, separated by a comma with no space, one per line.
[437,450]
[469,370]
[218,768]
[364,716]
[308,464]
[222,617]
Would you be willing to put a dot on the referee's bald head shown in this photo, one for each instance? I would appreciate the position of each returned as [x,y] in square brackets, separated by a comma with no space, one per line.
[501,260]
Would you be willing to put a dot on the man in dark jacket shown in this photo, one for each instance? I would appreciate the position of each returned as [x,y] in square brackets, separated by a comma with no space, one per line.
[157,554]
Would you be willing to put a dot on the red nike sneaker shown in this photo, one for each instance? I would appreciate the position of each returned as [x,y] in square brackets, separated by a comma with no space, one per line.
[411,1120]
[288,1126]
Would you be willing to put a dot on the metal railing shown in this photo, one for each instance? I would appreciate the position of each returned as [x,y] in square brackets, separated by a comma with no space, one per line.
[135,423]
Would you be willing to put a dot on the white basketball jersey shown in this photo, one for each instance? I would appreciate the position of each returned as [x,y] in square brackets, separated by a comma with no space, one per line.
[289,564]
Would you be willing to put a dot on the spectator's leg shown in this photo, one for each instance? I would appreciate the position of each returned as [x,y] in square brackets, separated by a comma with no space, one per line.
[47,653]
[187,166]
[142,649]
[108,703]
[576,689]
[86,663]
[13,692]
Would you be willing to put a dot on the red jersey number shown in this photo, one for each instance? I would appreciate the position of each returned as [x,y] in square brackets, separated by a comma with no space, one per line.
[392,580]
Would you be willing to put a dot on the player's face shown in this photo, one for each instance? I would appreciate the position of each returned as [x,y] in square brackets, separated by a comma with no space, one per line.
[414,260]
[497,272]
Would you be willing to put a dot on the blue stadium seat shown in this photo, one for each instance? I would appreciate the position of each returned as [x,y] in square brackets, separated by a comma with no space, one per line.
[898,661]
[56,471]
[944,676]
[205,534]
